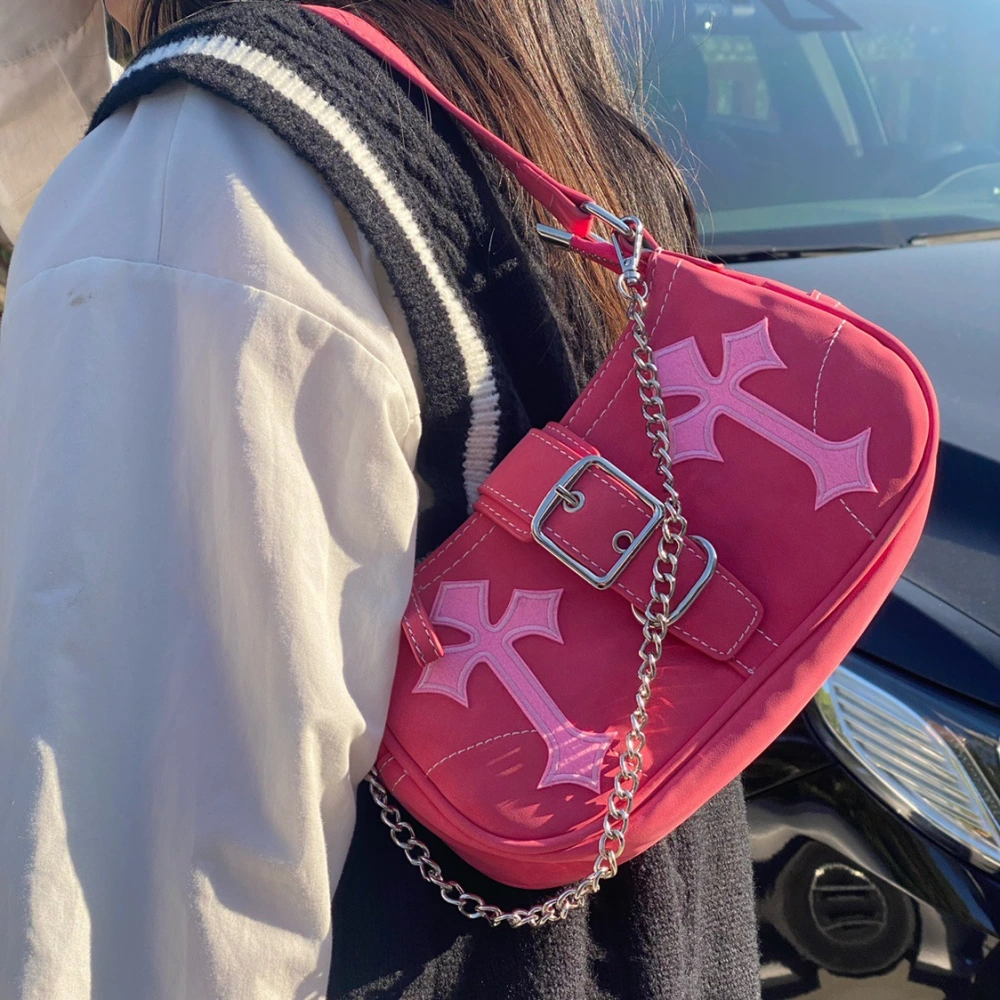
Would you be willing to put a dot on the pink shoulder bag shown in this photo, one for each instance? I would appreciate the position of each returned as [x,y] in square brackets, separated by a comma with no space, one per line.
[801,439]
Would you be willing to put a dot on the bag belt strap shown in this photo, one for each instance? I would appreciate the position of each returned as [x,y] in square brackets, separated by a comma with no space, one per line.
[594,537]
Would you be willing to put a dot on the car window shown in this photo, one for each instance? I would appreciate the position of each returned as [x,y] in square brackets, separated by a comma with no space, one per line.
[737,87]
[811,123]
[933,85]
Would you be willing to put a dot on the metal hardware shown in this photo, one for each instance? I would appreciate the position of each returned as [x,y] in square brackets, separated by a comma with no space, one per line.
[558,237]
[620,226]
[627,236]
[711,561]
[555,497]
[572,500]
[629,262]
[622,541]
[673,528]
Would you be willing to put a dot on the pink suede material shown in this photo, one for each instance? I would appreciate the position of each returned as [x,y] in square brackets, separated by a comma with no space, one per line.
[839,467]
[801,582]
[574,756]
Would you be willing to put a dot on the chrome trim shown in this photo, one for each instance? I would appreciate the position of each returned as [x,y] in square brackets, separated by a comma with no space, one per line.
[573,500]
[555,497]
[630,260]
[827,719]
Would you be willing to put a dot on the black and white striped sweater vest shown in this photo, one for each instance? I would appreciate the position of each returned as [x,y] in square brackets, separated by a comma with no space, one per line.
[678,922]
[491,359]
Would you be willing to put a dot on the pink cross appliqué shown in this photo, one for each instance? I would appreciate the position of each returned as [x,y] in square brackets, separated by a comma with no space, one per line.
[575,756]
[837,466]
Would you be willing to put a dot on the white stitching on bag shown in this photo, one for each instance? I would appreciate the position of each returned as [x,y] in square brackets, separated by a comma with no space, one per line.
[423,624]
[516,528]
[557,429]
[659,315]
[430,560]
[604,371]
[464,555]
[481,743]
[385,763]
[611,402]
[819,379]
[513,503]
[413,638]
[871,533]
[414,645]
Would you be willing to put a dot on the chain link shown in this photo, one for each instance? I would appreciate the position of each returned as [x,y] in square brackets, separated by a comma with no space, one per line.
[654,632]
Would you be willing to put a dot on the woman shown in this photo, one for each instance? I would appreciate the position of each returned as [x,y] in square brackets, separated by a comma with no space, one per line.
[268,327]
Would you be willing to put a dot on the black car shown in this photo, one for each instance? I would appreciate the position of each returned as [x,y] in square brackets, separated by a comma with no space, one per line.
[854,146]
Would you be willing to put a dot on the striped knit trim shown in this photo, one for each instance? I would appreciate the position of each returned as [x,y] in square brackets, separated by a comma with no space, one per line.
[481,444]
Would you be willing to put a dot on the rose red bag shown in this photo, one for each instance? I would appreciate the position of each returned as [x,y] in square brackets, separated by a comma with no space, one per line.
[802,441]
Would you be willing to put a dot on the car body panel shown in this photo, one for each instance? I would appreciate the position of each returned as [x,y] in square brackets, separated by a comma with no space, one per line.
[943,302]
[942,625]
[943,621]
[916,921]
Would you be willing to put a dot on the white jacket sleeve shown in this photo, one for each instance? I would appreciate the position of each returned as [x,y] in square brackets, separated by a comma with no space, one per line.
[54,70]
[207,514]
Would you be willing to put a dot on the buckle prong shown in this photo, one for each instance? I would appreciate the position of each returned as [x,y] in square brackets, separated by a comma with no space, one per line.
[572,500]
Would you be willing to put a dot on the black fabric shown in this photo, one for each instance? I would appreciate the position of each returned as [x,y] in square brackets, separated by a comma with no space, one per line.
[677,923]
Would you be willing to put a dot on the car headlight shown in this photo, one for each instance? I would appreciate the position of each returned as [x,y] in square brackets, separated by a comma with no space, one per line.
[932,757]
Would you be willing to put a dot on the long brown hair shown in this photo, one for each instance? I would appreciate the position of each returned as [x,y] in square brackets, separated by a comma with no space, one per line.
[542,74]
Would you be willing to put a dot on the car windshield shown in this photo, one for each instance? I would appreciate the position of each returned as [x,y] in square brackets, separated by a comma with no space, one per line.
[813,124]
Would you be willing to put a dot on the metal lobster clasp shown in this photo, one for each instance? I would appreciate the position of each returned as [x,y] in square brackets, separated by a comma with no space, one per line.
[630,252]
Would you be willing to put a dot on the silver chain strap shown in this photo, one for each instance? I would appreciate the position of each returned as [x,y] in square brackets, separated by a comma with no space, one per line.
[654,631]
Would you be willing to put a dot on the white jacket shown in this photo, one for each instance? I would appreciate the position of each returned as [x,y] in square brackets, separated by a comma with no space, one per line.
[207,514]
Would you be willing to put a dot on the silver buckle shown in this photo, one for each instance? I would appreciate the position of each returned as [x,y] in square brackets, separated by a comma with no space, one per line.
[557,495]
[711,561]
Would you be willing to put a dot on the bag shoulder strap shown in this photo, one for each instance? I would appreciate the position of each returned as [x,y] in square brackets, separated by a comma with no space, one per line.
[563,202]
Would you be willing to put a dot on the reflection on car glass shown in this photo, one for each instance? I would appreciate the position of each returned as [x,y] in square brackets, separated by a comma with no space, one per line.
[811,123]
[836,19]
